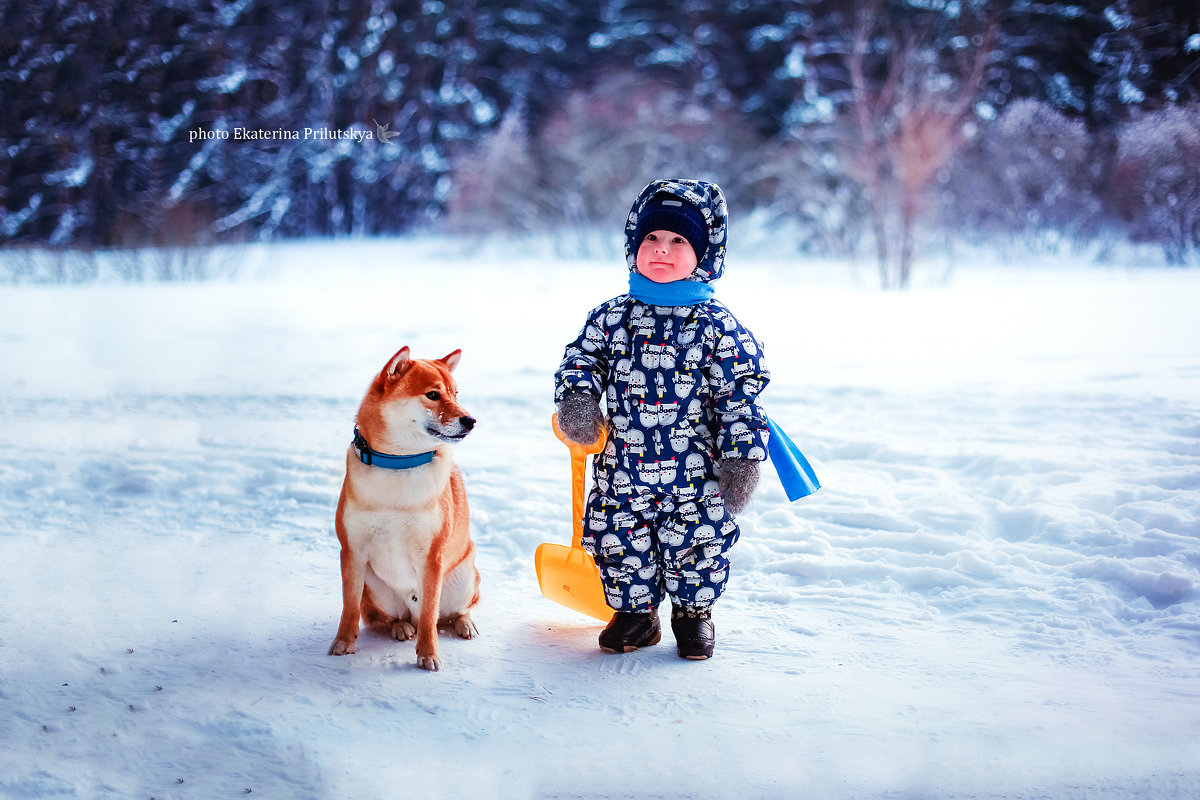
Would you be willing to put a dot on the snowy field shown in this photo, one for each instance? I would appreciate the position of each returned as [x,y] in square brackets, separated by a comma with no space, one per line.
[995,595]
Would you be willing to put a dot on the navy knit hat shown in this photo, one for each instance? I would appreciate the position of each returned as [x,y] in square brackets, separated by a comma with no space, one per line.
[666,212]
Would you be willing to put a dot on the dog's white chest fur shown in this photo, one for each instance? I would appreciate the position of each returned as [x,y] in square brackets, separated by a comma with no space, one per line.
[396,546]
[392,521]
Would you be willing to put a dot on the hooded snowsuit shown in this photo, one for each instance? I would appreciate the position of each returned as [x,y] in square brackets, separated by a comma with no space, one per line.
[679,386]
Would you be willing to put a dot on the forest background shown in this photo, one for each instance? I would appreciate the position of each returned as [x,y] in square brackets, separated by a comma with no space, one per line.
[884,131]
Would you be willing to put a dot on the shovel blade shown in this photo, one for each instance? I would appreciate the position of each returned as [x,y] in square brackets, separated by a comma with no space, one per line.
[569,577]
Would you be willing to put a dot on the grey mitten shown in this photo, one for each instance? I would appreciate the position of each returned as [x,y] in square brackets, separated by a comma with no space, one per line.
[579,417]
[738,477]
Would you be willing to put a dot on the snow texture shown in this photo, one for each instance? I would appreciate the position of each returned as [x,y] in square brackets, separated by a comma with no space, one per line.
[996,593]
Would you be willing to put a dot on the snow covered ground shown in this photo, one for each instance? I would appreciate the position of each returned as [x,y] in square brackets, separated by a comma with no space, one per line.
[995,595]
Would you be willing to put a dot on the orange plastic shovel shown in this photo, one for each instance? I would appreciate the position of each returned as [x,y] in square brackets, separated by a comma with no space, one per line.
[568,575]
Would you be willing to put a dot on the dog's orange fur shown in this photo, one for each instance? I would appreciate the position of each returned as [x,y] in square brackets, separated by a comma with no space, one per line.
[407,531]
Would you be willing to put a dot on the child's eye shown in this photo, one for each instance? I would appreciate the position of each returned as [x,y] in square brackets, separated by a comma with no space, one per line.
[677,240]
[433,395]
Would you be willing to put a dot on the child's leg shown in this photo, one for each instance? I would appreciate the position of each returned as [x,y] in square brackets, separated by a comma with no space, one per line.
[697,538]
[623,544]
[695,542]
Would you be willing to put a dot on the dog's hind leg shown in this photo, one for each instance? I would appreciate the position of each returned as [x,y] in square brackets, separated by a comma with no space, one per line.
[460,593]
[399,628]
[461,624]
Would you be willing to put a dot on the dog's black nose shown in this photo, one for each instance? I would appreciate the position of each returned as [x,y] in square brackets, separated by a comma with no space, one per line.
[467,422]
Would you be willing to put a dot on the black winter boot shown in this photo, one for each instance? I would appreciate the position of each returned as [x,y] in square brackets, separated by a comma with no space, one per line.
[627,631]
[695,635]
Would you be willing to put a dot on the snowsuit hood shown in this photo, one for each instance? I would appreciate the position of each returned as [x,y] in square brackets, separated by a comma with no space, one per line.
[705,196]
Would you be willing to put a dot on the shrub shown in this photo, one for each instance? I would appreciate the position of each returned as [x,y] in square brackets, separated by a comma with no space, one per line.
[1030,175]
[1156,185]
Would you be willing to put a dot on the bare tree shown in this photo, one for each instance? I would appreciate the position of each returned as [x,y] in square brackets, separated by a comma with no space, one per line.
[908,109]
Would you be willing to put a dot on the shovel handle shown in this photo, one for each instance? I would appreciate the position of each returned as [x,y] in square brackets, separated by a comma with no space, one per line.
[579,454]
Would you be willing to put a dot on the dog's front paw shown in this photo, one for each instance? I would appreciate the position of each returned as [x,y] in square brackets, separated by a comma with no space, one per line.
[341,647]
[430,663]
[402,630]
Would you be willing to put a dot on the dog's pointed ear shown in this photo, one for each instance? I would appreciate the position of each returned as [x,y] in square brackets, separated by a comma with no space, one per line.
[451,361]
[399,364]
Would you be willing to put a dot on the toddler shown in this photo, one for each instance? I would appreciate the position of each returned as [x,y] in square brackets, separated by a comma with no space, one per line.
[678,377]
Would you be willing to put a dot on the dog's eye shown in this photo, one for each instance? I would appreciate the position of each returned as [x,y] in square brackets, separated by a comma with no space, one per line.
[433,395]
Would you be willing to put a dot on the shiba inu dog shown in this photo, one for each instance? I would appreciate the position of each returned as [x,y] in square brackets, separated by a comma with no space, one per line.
[408,562]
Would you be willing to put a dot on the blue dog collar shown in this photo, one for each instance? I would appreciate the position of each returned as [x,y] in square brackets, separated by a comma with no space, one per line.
[373,458]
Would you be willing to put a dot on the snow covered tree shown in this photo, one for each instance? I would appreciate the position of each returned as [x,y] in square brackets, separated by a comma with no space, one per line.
[101,100]
[1156,186]
[495,186]
[610,140]
[1032,174]
[800,185]
[1098,59]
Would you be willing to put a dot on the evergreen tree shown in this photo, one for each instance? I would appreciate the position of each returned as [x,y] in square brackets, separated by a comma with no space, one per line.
[121,117]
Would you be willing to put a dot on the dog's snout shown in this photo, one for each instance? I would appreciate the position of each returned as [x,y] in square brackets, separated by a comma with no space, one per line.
[467,422]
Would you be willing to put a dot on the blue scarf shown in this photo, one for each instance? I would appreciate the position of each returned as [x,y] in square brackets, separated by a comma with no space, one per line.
[793,469]
[675,293]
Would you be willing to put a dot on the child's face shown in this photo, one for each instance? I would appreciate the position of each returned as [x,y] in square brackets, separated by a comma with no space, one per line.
[664,256]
